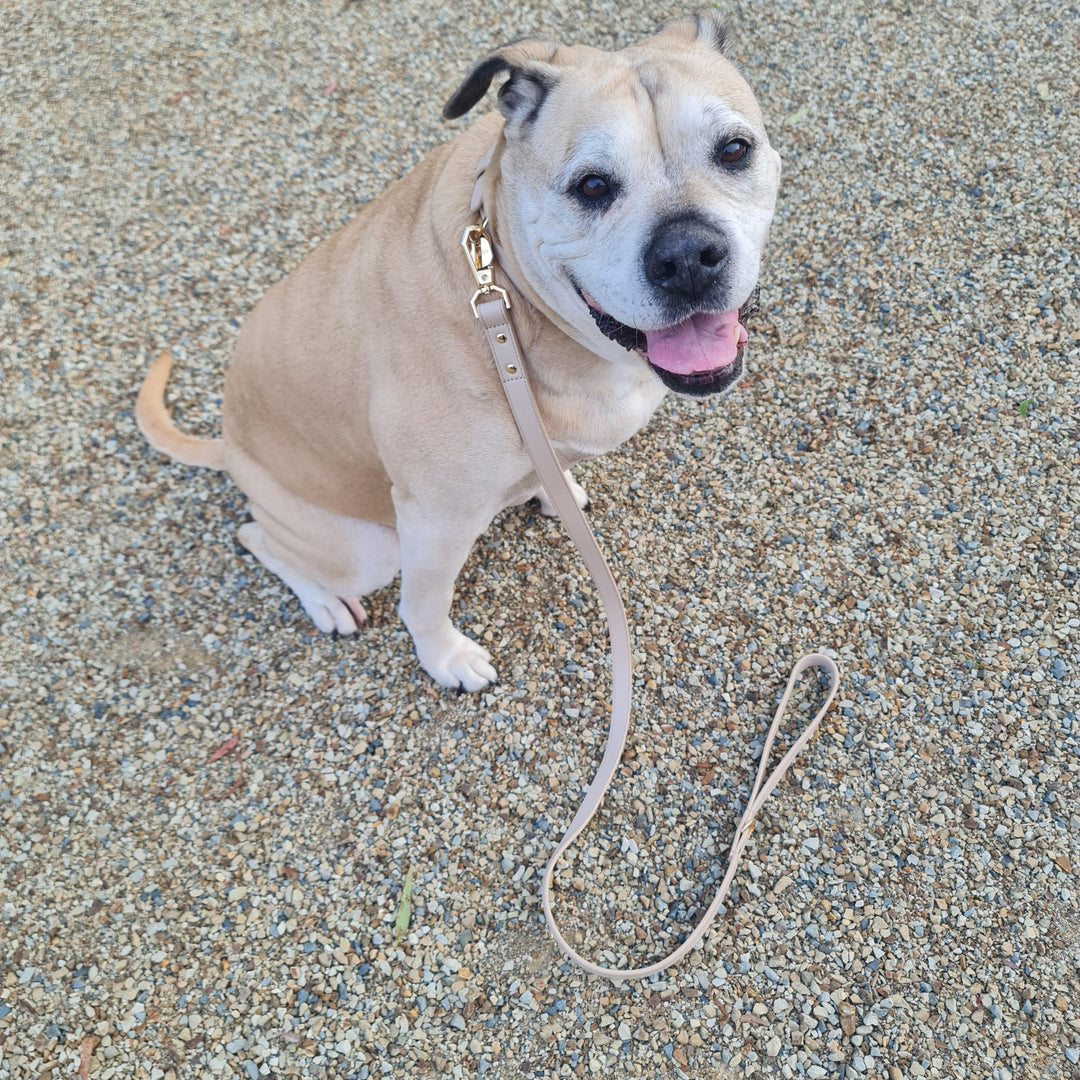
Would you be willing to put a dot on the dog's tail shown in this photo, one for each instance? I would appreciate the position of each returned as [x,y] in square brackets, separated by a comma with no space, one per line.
[161,433]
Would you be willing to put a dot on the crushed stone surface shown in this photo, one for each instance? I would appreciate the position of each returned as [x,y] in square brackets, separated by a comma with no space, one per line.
[208,810]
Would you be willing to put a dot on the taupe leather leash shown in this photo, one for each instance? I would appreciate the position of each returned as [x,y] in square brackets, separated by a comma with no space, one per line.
[491,305]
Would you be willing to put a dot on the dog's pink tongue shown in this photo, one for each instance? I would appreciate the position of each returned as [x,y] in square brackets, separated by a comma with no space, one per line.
[702,343]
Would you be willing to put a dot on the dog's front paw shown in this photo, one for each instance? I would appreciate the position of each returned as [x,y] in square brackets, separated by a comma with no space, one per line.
[455,661]
[581,497]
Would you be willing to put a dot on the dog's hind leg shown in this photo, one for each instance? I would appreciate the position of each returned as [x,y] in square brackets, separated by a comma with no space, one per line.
[329,561]
[328,611]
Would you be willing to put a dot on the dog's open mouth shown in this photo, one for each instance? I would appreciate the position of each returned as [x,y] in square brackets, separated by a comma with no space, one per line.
[700,355]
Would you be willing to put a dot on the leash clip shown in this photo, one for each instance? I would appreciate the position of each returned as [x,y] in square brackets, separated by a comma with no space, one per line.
[477,248]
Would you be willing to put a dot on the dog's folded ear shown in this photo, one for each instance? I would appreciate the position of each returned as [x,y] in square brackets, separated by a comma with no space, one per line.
[532,74]
[708,26]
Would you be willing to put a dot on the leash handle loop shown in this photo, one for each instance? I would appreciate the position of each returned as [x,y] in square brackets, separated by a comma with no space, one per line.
[494,317]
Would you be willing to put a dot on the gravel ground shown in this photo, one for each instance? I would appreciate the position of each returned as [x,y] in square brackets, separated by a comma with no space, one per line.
[208,811]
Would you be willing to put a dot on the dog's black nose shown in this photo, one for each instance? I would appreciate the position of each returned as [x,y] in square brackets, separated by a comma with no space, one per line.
[686,257]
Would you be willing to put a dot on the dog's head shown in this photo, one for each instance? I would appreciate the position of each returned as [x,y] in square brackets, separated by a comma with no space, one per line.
[638,188]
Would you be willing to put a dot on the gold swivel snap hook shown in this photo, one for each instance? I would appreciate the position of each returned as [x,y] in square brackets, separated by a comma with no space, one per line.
[477,248]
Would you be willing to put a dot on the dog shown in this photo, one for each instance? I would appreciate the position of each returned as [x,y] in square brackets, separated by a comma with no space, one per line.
[628,195]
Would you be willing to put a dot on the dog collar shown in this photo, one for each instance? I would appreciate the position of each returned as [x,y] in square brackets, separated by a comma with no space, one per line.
[476,207]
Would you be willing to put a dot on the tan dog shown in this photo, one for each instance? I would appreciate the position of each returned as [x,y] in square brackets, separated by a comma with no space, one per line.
[629,194]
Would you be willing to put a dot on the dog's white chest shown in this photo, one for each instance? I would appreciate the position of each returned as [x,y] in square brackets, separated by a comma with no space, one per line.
[609,424]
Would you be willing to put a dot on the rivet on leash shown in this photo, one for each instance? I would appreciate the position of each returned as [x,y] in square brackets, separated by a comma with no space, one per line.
[500,338]
[511,369]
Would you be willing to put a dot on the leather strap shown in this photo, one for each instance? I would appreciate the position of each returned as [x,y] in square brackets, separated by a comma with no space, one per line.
[509,362]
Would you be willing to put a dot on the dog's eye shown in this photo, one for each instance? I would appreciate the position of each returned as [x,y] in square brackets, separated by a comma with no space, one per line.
[733,153]
[594,187]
